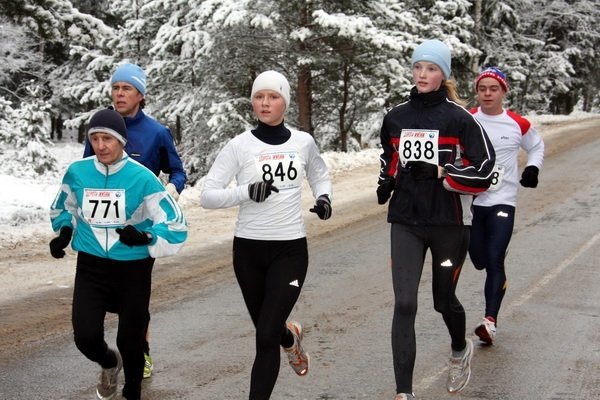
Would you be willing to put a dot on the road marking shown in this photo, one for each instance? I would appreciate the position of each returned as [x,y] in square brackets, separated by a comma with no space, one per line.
[432,379]
[554,273]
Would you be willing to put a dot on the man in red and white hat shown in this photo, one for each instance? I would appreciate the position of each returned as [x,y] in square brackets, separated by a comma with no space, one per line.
[494,210]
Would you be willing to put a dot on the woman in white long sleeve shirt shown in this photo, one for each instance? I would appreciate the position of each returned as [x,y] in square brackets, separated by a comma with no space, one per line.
[270,254]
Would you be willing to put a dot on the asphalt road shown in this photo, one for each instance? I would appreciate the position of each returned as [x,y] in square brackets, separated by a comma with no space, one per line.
[548,344]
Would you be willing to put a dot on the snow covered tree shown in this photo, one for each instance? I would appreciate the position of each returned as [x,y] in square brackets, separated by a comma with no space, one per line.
[547,49]
[17,58]
[451,22]
[504,43]
[348,48]
[347,61]
[204,58]
[571,40]
[24,134]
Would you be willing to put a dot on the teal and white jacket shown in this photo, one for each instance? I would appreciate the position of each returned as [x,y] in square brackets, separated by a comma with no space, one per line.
[95,199]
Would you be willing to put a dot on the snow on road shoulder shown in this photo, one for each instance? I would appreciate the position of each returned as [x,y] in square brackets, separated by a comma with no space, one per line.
[25,201]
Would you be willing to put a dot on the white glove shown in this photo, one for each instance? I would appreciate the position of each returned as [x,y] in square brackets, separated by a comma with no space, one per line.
[172,191]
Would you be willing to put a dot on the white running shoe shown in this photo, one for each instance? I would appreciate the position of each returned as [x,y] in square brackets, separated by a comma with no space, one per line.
[405,396]
[109,379]
[459,371]
[298,358]
[486,330]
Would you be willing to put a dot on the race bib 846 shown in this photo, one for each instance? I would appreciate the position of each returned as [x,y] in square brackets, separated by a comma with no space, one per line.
[284,168]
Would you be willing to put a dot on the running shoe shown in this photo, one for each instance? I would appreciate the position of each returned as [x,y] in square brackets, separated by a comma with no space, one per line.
[148,366]
[486,330]
[109,379]
[405,396]
[298,358]
[459,371]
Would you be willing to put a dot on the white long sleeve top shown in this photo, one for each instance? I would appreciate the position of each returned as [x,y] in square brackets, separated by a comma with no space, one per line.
[509,132]
[247,159]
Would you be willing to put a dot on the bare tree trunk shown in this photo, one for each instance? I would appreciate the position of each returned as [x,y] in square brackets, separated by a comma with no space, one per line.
[59,127]
[81,133]
[304,88]
[304,98]
[586,100]
[343,110]
[52,127]
[477,33]
[178,129]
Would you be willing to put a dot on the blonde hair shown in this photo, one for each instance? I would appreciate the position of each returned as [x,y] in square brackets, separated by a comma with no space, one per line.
[450,85]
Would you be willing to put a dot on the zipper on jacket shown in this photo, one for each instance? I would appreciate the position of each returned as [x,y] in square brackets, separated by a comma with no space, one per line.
[106,229]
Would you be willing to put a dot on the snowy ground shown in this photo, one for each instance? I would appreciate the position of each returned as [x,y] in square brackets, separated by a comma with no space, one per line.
[27,268]
[25,202]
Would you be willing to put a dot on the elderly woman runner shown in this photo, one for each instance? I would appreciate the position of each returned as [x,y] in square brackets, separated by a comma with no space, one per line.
[120,218]
[434,151]
[270,256]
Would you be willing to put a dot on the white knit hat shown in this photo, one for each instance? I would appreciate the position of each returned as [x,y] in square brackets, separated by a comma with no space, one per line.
[272,80]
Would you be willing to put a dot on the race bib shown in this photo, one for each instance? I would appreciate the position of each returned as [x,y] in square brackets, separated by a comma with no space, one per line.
[497,176]
[283,168]
[419,145]
[104,207]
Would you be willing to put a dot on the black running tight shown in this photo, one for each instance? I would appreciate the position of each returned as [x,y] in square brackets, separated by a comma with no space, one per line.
[409,244]
[490,235]
[270,274]
[101,286]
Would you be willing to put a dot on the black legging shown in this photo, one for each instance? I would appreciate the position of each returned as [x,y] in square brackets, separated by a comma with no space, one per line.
[490,236]
[270,274]
[409,244]
[101,286]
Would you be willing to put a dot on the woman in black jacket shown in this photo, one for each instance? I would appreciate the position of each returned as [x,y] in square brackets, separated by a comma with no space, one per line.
[435,157]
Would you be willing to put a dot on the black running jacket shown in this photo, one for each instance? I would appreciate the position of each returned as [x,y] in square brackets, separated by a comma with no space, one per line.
[464,150]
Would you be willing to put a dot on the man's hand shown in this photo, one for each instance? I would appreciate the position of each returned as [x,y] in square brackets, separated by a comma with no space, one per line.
[529,178]
[172,191]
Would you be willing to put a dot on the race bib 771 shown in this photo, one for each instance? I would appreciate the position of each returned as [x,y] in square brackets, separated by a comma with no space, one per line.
[104,207]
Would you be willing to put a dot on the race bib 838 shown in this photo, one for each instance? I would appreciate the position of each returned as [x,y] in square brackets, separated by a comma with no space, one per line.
[419,145]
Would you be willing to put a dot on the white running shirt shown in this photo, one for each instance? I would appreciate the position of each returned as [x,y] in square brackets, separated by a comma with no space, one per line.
[508,133]
[247,159]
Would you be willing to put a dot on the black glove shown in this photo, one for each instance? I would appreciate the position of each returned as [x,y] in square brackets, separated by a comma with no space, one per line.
[59,243]
[132,237]
[421,170]
[322,207]
[529,178]
[259,191]
[385,189]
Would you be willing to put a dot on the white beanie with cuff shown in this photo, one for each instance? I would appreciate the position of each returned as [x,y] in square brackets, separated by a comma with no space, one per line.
[272,80]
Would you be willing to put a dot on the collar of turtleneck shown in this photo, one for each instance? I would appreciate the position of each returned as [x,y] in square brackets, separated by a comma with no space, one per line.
[274,135]
[430,98]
